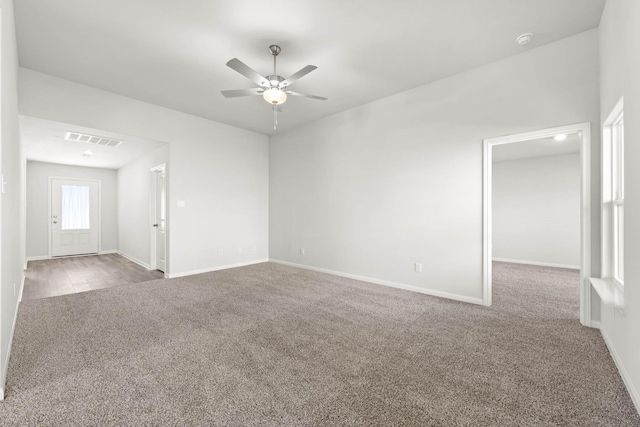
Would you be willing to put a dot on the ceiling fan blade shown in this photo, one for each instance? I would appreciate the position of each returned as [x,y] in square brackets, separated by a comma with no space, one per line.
[303,72]
[241,92]
[321,98]
[248,72]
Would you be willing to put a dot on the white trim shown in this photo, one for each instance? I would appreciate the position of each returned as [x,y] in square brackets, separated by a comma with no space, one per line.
[542,264]
[51,178]
[635,396]
[46,257]
[38,258]
[585,208]
[24,277]
[611,292]
[135,260]
[595,324]
[222,267]
[406,287]
[5,366]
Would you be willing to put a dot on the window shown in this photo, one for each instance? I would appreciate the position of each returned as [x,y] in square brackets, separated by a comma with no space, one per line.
[75,207]
[617,202]
[613,196]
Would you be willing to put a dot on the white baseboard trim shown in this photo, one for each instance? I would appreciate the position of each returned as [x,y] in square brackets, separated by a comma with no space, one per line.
[132,259]
[595,324]
[222,267]
[542,264]
[412,288]
[21,287]
[45,257]
[5,363]
[635,396]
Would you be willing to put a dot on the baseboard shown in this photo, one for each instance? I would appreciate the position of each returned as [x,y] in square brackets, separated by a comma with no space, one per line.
[21,287]
[132,259]
[406,287]
[222,267]
[541,264]
[45,257]
[595,324]
[5,364]
[38,258]
[635,397]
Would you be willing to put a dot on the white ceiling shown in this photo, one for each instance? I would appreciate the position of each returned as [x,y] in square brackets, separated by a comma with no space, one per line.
[536,148]
[173,53]
[44,142]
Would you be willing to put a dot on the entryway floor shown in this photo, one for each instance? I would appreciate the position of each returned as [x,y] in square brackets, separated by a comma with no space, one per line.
[62,276]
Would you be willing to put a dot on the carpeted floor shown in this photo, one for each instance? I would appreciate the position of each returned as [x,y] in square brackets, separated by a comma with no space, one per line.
[275,345]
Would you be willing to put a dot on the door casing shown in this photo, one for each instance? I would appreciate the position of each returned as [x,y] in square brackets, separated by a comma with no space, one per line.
[585,209]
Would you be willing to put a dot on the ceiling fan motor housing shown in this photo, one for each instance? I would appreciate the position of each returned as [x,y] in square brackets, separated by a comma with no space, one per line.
[275,49]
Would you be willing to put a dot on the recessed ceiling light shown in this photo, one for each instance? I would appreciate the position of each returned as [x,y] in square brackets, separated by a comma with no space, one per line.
[560,137]
[524,38]
[87,153]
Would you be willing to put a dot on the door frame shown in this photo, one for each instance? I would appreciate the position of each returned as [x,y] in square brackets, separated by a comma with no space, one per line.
[153,217]
[51,178]
[584,130]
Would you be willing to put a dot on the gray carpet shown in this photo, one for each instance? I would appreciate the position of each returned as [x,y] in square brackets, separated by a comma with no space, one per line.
[275,345]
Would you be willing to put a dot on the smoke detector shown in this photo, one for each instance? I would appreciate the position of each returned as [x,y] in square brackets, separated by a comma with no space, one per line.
[524,38]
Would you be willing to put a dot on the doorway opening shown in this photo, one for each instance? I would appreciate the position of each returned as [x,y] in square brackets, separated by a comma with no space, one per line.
[583,134]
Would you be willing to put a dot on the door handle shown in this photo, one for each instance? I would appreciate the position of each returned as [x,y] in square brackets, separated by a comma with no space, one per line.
[55,222]
[155,225]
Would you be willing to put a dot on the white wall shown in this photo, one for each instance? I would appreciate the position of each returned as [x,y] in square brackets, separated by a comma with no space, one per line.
[536,210]
[375,189]
[220,172]
[134,192]
[619,66]
[38,174]
[12,201]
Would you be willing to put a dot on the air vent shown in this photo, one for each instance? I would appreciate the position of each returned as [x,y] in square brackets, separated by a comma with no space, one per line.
[93,139]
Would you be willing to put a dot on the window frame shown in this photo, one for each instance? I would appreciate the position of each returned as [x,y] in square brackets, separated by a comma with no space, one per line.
[617,202]
[613,196]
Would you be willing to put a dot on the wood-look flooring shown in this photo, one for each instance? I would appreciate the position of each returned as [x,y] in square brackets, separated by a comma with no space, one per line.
[62,276]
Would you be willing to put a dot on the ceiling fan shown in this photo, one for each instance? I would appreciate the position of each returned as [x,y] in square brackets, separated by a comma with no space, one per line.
[273,88]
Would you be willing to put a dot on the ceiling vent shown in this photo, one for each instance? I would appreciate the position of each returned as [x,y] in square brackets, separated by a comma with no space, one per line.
[93,139]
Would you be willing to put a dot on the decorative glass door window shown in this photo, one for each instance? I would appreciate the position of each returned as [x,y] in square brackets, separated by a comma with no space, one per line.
[75,207]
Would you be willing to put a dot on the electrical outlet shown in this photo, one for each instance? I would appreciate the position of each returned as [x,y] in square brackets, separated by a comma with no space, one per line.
[220,251]
[301,251]
[418,267]
[255,248]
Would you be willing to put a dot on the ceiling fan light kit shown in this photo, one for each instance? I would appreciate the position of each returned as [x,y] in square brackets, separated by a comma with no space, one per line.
[274,96]
[272,87]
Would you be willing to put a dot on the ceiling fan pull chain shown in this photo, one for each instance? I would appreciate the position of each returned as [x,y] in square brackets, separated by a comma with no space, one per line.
[275,117]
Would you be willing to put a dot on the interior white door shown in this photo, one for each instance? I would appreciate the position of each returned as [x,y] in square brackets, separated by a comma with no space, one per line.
[161,220]
[74,217]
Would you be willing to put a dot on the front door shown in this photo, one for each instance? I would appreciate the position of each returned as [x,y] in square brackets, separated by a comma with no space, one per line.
[74,217]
